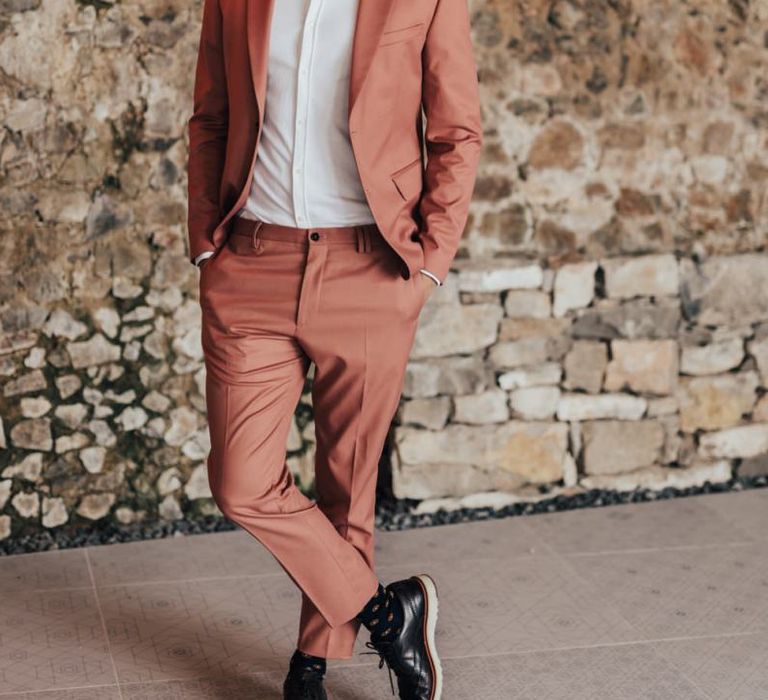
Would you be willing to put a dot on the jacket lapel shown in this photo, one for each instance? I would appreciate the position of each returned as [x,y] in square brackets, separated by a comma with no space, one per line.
[371,18]
[258,21]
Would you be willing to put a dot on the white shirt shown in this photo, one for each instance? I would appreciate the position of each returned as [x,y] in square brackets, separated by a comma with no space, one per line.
[305,173]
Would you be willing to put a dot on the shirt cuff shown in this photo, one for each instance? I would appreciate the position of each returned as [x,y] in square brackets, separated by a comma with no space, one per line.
[203,256]
[431,276]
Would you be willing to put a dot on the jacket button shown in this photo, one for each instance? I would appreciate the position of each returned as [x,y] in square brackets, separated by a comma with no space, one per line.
[415,236]
[315,236]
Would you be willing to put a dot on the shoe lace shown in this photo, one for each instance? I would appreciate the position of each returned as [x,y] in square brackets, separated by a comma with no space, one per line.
[383,649]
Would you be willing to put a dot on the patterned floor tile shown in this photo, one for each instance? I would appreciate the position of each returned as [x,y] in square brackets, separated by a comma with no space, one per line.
[512,605]
[725,668]
[747,510]
[190,629]
[628,672]
[104,692]
[220,554]
[52,639]
[44,571]
[686,592]
[459,542]
[260,686]
[631,526]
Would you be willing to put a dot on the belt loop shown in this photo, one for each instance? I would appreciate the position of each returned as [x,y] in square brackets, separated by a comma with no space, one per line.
[256,242]
[359,239]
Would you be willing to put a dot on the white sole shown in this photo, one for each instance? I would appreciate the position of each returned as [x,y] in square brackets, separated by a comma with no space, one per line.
[430,590]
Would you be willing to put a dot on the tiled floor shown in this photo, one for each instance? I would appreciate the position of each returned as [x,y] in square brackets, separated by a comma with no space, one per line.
[665,600]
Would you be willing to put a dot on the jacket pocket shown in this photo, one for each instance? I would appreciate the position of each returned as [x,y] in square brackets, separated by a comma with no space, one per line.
[409,180]
[395,36]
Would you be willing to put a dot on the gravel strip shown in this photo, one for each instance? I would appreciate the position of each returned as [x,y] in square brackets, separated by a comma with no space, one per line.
[391,515]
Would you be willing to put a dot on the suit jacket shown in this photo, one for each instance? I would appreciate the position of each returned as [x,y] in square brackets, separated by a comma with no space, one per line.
[410,59]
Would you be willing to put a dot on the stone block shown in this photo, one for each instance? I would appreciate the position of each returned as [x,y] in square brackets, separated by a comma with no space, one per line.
[33,434]
[95,506]
[487,407]
[30,468]
[54,512]
[742,441]
[646,275]
[579,407]
[758,349]
[499,275]
[107,320]
[421,380]
[525,303]
[532,375]
[72,415]
[61,324]
[644,366]
[439,480]
[429,413]
[533,451]
[462,375]
[527,351]
[712,403]
[26,504]
[445,329]
[68,385]
[535,402]
[35,407]
[16,341]
[760,411]
[636,318]
[658,478]
[198,486]
[574,287]
[713,358]
[67,443]
[662,406]
[726,290]
[25,384]
[585,366]
[97,350]
[93,458]
[615,446]
[520,328]
[517,353]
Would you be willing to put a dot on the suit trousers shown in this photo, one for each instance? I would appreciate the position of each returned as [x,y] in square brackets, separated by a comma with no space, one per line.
[275,299]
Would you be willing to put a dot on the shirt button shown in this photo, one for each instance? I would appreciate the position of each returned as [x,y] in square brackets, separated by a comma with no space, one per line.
[315,236]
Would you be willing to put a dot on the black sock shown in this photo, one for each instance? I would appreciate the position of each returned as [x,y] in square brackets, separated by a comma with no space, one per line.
[301,662]
[382,615]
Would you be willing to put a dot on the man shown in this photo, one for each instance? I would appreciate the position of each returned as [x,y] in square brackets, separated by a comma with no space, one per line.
[320,232]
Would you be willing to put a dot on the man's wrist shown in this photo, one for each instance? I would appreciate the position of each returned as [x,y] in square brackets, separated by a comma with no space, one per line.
[203,256]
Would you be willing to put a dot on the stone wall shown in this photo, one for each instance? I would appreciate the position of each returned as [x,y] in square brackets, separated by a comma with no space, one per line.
[606,322]
[625,371]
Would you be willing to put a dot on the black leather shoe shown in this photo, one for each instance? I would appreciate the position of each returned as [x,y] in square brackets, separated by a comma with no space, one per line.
[304,685]
[411,651]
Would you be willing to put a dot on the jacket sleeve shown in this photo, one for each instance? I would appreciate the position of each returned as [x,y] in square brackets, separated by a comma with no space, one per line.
[453,134]
[207,134]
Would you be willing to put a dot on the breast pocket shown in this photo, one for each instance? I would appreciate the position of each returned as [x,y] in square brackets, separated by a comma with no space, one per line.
[397,36]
